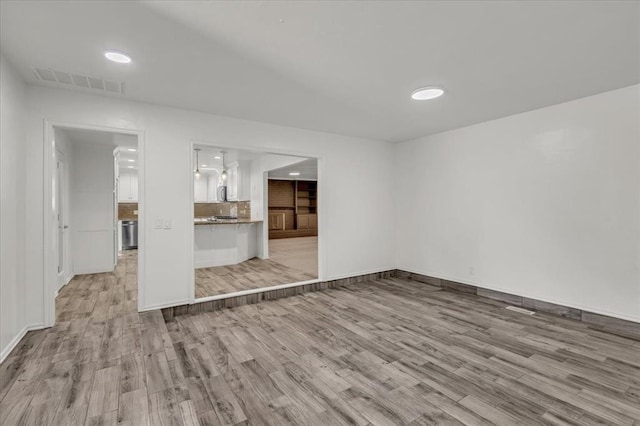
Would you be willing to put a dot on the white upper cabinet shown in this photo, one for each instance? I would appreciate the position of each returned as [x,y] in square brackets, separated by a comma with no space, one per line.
[205,188]
[128,187]
[239,181]
[200,192]
[233,181]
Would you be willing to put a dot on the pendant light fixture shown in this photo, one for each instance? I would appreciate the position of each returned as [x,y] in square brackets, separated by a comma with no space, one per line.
[224,169]
[196,172]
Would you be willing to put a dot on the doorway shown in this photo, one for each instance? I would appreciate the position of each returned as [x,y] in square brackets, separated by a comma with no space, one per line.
[83,227]
[232,219]
[293,215]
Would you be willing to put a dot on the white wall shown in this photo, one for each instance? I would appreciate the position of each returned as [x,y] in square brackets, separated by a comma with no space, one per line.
[92,207]
[543,204]
[13,321]
[357,178]
[258,168]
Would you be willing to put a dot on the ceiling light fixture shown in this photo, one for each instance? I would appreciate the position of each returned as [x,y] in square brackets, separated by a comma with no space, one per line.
[204,165]
[217,157]
[294,174]
[116,56]
[224,171]
[426,93]
[196,172]
[131,161]
[131,150]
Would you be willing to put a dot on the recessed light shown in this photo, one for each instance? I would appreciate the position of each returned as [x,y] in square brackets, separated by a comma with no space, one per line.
[131,161]
[131,150]
[294,174]
[217,157]
[204,165]
[118,57]
[426,93]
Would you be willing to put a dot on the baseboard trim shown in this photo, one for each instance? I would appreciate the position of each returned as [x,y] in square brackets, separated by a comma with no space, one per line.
[622,327]
[164,306]
[260,296]
[16,340]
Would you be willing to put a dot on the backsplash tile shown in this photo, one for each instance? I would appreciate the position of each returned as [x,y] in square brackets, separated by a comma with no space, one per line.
[241,209]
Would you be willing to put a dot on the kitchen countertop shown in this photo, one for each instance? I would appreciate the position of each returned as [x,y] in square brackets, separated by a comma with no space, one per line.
[224,221]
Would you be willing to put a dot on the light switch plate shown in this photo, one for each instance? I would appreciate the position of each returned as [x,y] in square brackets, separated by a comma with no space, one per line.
[159,223]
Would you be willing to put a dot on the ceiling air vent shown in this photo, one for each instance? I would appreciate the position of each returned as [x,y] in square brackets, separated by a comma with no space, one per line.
[77,80]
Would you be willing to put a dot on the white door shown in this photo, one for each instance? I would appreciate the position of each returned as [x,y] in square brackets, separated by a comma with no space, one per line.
[62,220]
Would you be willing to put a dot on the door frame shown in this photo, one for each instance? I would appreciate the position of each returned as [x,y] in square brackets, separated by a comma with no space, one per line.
[50,238]
[62,180]
[322,209]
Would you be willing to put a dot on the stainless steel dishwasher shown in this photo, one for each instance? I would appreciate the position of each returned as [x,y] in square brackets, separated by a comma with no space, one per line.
[129,234]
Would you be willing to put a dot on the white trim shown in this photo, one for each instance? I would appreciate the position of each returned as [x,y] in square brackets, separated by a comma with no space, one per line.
[507,291]
[191,278]
[97,269]
[50,282]
[66,281]
[265,215]
[255,290]
[17,338]
[321,209]
[354,275]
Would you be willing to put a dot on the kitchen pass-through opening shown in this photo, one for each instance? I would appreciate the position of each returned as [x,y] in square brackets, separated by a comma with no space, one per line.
[255,221]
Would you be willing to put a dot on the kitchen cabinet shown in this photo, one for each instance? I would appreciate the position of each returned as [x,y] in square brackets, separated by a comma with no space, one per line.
[233,181]
[205,188]
[212,187]
[307,221]
[224,244]
[128,187]
[238,181]
[303,221]
[277,221]
[200,190]
[296,204]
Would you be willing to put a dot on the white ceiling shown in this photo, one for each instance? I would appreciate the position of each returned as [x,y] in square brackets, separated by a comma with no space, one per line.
[340,67]
[308,169]
[126,159]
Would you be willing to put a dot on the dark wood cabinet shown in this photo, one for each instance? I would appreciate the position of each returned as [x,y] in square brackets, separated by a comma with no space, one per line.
[307,221]
[296,203]
[276,221]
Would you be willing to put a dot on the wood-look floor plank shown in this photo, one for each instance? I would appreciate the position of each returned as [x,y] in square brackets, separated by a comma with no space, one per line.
[391,351]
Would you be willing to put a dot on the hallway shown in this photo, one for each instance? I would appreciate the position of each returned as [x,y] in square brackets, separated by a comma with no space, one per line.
[60,375]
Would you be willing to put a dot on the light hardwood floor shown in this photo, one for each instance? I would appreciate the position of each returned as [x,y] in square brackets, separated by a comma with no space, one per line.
[385,352]
[248,275]
[299,253]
